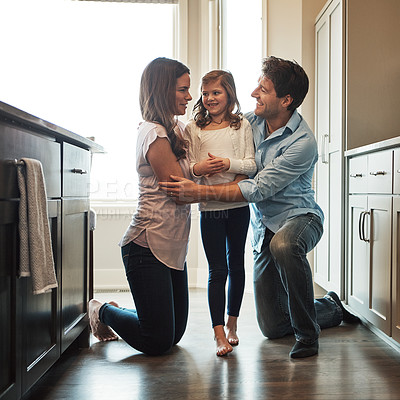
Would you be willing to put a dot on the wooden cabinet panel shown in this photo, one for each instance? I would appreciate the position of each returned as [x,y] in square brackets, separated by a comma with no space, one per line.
[358,256]
[396,270]
[369,258]
[380,243]
[76,171]
[10,376]
[358,174]
[40,324]
[74,278]
[380,172]
[396,172]
[17,143]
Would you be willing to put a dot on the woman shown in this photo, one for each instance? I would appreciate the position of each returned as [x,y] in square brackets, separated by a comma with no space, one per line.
[155,244]
[221,148]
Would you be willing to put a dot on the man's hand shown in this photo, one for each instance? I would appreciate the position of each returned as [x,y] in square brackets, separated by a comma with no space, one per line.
[181,189]
[186,191]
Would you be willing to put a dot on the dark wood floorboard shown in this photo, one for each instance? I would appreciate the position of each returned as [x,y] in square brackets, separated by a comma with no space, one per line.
[352,363]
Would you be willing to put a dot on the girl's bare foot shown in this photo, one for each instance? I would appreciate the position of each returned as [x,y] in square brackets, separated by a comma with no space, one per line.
[223,346]
[99,330]
[231,331]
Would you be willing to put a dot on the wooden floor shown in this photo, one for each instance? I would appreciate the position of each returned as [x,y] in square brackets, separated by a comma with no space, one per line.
[352,363]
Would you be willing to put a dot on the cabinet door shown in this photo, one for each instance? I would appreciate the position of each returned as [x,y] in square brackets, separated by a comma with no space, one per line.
[40,325]
[76,173]
[396,270]
[358,254]
[74,277]
[10,378]
[379,307]
[329,179]
[396,172]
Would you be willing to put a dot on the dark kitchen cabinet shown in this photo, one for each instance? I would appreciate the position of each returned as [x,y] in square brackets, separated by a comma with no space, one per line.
[36,329]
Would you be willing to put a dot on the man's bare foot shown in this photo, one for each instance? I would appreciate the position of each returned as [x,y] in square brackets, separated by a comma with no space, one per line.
[99,330]
[223,346]
[231,331]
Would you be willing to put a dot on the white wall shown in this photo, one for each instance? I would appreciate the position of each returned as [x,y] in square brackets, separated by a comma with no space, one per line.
[111,222]
[284,23]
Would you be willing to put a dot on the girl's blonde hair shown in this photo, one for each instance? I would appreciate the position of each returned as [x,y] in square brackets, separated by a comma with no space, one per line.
[226,80]
[157,98]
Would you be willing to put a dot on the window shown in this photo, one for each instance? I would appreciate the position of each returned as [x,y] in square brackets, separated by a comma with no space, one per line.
[78,64]
[241,46]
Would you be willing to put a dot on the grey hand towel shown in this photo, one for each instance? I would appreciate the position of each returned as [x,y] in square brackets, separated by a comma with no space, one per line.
[36,253]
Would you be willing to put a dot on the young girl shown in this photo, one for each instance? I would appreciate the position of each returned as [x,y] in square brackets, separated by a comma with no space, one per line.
[220,148]
[154,245]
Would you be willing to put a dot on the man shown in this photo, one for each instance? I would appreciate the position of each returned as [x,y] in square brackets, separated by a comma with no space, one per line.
[286,220]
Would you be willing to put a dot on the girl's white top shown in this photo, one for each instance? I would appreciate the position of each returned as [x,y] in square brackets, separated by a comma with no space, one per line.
[159,223]
[235,144]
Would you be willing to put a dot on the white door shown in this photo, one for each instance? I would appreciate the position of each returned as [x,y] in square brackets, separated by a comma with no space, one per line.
[328,128]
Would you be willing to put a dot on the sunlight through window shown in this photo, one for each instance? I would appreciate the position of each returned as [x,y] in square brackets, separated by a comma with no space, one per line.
[78,65]
[242,46]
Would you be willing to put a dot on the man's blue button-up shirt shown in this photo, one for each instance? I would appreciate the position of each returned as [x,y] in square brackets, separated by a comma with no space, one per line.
[282,187]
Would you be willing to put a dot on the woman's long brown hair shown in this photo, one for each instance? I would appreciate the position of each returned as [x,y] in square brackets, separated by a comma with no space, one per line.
[157,98]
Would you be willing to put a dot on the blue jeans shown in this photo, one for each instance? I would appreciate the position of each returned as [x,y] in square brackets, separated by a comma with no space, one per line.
[283,284]
[161,299]
[224,235]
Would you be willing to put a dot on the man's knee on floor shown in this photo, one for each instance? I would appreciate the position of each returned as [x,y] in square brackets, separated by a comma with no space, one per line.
[270,332]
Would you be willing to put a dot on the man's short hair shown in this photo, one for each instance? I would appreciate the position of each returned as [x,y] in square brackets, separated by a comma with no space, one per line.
[288,77]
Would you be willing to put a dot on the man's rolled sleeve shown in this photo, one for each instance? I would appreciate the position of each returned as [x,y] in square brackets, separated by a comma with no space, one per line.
[250,190]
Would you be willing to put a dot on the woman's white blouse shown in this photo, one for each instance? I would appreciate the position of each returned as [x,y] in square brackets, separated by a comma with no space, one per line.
[158,220]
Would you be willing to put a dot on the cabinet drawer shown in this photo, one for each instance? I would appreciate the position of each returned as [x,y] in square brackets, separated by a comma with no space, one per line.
[380,174]
[76,171]
[16,143]
[396,172]
[358,180]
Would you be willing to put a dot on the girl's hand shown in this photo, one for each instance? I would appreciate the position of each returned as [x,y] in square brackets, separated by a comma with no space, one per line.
[225,161]
[209,166]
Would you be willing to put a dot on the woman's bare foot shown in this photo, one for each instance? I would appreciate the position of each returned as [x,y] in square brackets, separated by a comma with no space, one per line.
[223,346]
[231,331]
[99,330]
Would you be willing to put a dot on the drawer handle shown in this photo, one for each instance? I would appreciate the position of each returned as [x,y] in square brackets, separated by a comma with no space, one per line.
[378,173]
[355,175]
[398,171]
[79,171]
